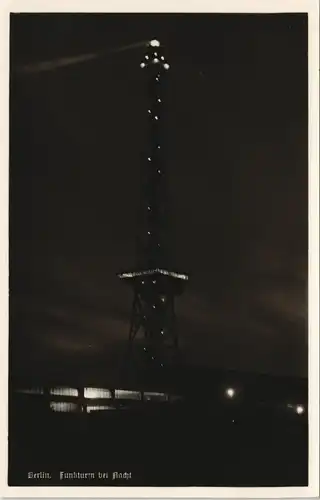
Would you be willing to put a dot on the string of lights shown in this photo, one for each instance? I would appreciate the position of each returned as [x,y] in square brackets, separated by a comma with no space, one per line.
[155,284]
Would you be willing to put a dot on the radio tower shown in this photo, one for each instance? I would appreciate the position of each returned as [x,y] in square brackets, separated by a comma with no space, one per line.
[153,338]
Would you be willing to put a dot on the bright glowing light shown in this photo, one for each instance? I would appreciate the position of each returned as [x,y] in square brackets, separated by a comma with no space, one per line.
[155,54]
[149,208]
[142,65]
[159,100]
[299,409]
[93,393]
[149,158]
[158,147]
[162,58]
[166,66]
[154,306]
[149,233]
[161,332]
[142,282]
[156,117]
[149,111]
[146,57]
[155,60]
[154,282]
[230,392]
[159,171]
[163,299]
[155,43]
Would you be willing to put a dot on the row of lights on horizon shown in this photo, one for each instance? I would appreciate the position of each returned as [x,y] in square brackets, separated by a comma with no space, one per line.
[230,393]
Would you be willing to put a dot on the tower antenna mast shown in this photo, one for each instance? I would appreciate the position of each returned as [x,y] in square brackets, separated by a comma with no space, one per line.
[153,335]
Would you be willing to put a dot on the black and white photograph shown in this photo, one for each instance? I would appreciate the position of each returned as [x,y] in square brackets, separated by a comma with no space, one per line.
[159,246]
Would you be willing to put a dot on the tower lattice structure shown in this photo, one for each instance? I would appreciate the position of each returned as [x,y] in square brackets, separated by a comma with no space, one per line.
[153,336]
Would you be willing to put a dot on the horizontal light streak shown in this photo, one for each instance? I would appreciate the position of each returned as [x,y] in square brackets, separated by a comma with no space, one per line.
[64,391]
[91,408]
[62,406]
[124,394]
[154,271]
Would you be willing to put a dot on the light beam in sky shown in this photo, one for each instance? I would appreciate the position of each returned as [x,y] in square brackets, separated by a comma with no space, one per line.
[68,61]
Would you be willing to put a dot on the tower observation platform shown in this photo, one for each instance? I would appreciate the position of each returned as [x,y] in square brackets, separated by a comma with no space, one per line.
[154,280]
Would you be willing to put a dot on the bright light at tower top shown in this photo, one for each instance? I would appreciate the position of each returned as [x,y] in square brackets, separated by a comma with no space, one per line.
[154,43]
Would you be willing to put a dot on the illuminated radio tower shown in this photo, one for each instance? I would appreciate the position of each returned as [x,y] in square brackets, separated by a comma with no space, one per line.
[155,284]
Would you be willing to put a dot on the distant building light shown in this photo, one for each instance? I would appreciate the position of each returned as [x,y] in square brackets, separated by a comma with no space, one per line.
[124,394]
[62,406]
[156,396]
[91,408]
[93,393]
[230,393]
[64,391]
[299,409]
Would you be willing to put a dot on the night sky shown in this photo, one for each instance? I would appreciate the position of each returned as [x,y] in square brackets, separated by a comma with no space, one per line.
[236,147]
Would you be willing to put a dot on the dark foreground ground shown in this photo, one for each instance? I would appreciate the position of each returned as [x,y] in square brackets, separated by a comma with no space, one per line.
[181,445]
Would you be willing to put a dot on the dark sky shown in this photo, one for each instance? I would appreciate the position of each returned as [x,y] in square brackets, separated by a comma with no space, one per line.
[236,147]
